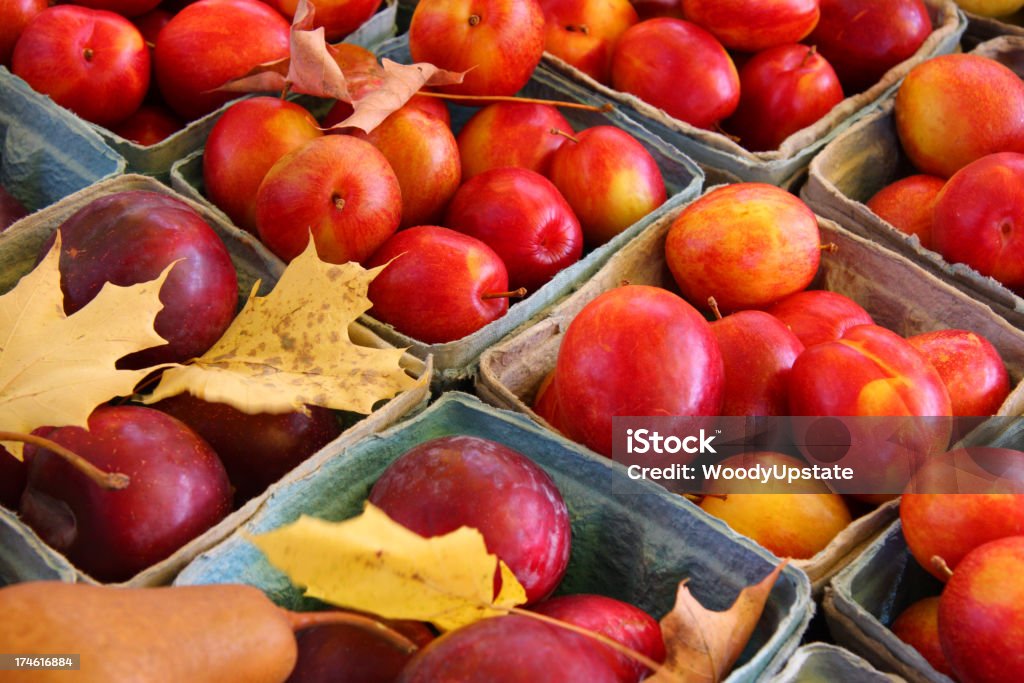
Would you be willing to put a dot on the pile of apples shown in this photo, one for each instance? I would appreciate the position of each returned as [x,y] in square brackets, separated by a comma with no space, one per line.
[974,544]
[758,71]
[780,350]
[144,68]
[190,462]
[960,121]
[461,221]
[455,481]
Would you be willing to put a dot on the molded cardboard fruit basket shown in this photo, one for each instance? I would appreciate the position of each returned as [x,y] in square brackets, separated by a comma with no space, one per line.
[866,597]
[455,362]
[866,158]
[23,555]
[156,160]
[635,544]
[511,372]
[819,662]
[724,160]
[46,152]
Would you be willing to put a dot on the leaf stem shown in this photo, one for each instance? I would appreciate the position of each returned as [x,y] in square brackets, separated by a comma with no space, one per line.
[599,637]
[112,481]
[484,99]
[302,620]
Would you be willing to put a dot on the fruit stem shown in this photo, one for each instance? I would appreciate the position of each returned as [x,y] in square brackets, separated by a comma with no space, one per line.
[604,108]
[830,247]
[810,53]
[112,481]
[87,54]
[939,565]
[303,620]
[568,136]
[514,294]
[582,28]
[713,305]
[599,637]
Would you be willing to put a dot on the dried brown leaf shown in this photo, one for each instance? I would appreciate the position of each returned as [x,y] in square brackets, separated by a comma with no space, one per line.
[702,645]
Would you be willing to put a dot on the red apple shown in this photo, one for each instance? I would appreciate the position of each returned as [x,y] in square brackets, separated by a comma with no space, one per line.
[14,16]
[152,22]
[436,287]
[545,403]
[11,209]
[783,89]
[424,156]
[679,67]
[870,373]
[248,139]
[747,245]
[211,42]
[817,315]
[524,218]
[178,490]
[979,218]
[862,39]
[620,621]
[511,134]
[13,474]
[971,368]
[344,653]
[256,449]
[951,525]
[752,25]
[583,33]
[500,42]
[908,205]
[510,649]
[609,179]
[132,236]
[338,17]
[339,188]
[954,109]
[758,351]
[455,481]
[127,8]
[981,612]
[363,74]
[93,62]
[603,370]
[918,627]
[149,125]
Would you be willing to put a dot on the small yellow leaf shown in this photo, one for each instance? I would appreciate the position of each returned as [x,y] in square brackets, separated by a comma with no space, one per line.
[292,348]
[703,645]
[373,564]
[54,368]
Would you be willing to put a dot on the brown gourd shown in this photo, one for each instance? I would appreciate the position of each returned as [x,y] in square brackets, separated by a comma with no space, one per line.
[217,633]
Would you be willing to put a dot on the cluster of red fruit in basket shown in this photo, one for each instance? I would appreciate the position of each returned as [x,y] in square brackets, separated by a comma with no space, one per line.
[974,545]
[758,71]
[781,350]
[143,68]
[190,461]
[461,220]
[960,121]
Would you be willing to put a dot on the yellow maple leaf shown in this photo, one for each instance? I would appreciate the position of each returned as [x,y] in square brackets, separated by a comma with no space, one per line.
[373,564]
[54,368]
[292,348]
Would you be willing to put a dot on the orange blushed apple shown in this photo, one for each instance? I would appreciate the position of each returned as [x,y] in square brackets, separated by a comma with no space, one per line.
[520,134]
[583,33]
[908,205]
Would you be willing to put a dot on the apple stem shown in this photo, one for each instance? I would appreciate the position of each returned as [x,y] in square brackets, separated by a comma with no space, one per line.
[582,28]
[939,565]
[713,305]
[599,637]
[303,620]
[485,99]
[568,136]
[87,53]
[830,247]
[810,53]
[514,294]
[722,131]
[111,481]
